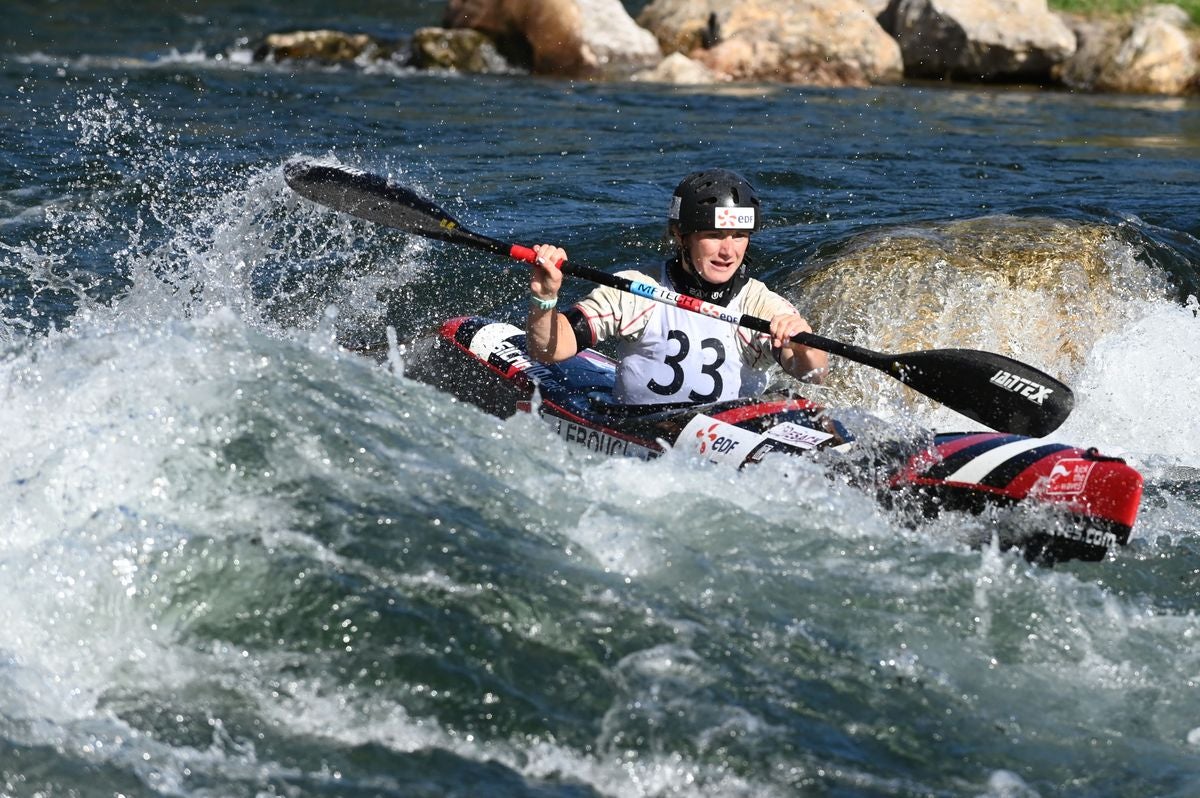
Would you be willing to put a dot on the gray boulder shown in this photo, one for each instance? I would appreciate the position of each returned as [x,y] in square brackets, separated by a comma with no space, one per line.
[824,42]
[1153,53]
[979,40]
[1156,57]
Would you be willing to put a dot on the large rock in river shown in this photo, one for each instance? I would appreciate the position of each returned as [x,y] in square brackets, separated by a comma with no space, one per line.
[1158,56]
[822,42]
[1151,54]
[570,38]
[1039,289]
[979,40]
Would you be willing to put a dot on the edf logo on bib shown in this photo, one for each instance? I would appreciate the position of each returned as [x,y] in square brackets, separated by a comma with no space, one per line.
[734,219]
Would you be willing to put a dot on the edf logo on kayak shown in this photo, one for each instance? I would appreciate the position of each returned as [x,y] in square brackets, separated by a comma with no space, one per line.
[717,444]
[734,219]
[1032,391]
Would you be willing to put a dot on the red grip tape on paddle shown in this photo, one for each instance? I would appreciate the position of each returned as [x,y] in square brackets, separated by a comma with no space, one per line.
[519,252]
[526,254]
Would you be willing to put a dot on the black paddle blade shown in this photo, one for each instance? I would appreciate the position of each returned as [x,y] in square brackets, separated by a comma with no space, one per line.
[995,390]
[373,198]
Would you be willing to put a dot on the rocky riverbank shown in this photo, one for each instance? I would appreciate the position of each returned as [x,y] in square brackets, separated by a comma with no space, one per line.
[807,42]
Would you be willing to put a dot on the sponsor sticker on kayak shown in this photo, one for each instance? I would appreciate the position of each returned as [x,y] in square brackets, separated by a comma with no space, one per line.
[598,441]
[490,336]
[717,441]
[494,345]
[1069,477]
[798,435]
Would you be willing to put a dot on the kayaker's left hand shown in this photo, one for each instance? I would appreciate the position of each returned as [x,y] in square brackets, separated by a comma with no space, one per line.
[802,362]
[784,326]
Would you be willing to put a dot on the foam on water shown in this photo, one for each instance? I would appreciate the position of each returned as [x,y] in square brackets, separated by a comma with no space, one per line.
[1137,390]
[238,556]
[234,59]
[128,509]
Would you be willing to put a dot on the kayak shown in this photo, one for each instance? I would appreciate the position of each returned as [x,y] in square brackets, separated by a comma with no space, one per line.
[485,362]
[1095,498]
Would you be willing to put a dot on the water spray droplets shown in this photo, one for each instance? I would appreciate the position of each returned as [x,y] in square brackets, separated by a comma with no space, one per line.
[396,352]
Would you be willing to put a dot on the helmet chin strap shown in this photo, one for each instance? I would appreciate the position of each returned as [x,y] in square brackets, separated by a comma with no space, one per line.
[687,280]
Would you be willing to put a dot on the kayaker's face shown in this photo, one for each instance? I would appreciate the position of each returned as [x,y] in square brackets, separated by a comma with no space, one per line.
[716,255]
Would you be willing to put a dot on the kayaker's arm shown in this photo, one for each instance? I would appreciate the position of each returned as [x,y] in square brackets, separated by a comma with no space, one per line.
[802,362]
[549,337]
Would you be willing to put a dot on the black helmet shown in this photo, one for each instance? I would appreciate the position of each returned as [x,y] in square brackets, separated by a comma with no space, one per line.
[715,199]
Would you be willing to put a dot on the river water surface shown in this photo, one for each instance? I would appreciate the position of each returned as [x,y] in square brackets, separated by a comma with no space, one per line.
[238,558]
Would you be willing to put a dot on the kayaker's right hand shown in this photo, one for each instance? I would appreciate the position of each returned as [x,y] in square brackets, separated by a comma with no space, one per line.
[547,279]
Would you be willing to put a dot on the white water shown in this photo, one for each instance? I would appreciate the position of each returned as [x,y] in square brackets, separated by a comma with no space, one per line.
[169,461]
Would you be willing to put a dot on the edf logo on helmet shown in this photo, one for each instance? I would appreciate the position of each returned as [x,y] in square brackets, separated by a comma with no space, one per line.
[733,219]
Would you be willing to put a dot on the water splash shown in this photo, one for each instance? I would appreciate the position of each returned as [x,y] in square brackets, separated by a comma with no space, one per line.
[148,225]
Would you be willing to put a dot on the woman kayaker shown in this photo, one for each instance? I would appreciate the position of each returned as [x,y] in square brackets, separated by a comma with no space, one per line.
[667,354]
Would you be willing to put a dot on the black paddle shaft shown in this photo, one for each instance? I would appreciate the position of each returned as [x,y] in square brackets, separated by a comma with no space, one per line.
[992,389]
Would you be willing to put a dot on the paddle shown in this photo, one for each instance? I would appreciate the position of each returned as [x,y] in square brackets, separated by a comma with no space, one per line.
[992,389]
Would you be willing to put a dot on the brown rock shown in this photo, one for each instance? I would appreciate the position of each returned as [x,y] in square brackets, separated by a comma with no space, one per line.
[458,50]
[317,45]
[982,40]
[1042,290]
[1157,57]
[680,26]
[827,42]
[571,38]
[1096,41]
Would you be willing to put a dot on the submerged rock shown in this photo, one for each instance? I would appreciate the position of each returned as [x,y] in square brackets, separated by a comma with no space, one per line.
[1039,289]
[327,46]
[459,50]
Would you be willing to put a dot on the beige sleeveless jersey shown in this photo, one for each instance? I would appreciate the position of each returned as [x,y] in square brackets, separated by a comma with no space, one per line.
[668,354]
